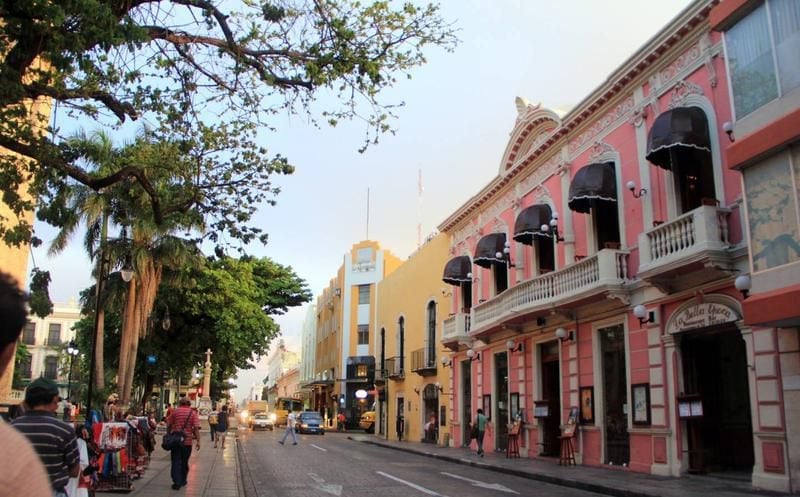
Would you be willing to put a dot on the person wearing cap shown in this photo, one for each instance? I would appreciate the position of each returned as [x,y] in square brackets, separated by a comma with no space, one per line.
[54,440]
[186,419]
[22,472]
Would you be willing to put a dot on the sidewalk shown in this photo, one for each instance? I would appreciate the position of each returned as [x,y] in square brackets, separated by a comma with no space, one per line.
[608,481]
[212,472]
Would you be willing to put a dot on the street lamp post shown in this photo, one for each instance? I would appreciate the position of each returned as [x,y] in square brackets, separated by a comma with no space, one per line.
[72,350]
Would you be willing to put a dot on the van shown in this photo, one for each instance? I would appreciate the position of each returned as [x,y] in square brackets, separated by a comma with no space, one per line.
[367,422]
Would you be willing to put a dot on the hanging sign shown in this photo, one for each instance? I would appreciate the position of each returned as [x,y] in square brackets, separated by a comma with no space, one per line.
[701,316]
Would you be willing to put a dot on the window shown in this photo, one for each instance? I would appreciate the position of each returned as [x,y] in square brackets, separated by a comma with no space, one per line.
[430,356]
[363,294]
[24,367]
[54,334]
[364,255]
[51,367]
[772,188]
[29,334]
[363,334]
[763,52]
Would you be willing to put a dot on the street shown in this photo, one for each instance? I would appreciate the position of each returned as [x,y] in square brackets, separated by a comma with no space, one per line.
[332,465]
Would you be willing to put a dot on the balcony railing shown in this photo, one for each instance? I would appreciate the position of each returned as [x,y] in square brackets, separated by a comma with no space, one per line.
[394,369]
[456,327]
[607,268]
[705,228]
[423,361]
[53,342]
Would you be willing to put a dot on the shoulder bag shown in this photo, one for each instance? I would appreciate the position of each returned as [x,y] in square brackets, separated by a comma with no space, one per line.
[175,439]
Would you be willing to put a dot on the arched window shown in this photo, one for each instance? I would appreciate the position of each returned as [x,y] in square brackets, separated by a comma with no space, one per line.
[401,332]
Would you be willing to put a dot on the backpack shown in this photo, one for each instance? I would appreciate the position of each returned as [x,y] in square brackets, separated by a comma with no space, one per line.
[213,419]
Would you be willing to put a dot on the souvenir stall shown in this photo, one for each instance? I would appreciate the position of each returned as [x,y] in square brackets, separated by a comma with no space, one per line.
[123,453]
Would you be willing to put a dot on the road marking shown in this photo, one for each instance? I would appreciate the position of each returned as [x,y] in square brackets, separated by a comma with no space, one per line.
[476,483]
[412,485]
[325,487]
[318,447]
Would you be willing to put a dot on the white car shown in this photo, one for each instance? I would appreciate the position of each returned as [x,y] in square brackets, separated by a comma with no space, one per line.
[264,421]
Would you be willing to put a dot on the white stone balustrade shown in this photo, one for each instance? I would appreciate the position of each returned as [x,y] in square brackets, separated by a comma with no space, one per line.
[703,229]
[607,268]
[456,327]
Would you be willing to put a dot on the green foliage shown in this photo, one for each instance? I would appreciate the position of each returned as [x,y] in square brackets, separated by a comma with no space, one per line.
[40,302]
[21,356]
[209,79]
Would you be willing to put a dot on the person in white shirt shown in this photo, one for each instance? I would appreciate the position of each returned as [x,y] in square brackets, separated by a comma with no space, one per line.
[290,422]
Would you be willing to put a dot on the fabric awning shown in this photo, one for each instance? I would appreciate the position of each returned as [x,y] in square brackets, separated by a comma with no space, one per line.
[488,247]
[529,223]
[680,129]
[592,183]
[457,270]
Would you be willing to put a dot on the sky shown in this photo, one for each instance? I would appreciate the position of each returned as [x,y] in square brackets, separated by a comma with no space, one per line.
[458,114]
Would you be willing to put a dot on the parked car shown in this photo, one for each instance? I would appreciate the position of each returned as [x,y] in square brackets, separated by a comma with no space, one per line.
[367,422]
[263,421]
[310,422]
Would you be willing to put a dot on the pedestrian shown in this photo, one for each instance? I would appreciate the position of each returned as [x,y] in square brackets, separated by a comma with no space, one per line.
[482,423]
[290,422]
[53,439]
[183,418]
[213,419]
[340,422]
[79,486]
[168,413]
[400,427]
[221,426]
[22,471]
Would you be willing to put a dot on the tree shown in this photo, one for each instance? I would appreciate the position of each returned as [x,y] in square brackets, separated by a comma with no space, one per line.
[207,78]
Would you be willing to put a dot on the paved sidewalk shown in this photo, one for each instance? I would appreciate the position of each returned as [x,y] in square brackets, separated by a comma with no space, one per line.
[212,472]
[608,481]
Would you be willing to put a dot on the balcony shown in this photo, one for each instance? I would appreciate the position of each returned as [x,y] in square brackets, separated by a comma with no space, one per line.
[690,250]
[423,361]
[455,330]
[394,368]
[594,280]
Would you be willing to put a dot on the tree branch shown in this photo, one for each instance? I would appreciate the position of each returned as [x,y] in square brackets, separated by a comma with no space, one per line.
[119,108]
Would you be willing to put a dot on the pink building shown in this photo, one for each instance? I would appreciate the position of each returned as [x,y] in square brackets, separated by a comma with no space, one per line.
[594,276]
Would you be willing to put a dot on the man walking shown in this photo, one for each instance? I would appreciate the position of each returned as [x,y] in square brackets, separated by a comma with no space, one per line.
[183,418]
[290,421]
[22,471]
[54,440]
[482,422]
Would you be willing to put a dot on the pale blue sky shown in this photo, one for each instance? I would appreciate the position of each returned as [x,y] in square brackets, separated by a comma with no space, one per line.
[455,125]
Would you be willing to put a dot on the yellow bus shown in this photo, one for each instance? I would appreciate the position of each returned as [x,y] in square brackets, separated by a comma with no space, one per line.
[282,407]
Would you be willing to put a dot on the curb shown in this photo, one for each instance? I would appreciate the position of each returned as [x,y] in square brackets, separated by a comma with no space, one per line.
[562,482]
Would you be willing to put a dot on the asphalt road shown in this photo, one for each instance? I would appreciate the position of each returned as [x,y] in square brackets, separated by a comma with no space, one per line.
[331,465]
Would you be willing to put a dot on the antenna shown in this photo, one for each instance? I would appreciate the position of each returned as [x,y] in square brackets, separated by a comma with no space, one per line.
[367,238]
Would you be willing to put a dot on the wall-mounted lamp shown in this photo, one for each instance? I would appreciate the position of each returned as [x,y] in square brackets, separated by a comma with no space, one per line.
[446,292]
[564,335]
[473,356]
[505,255]
[127,270]
[447,362]
[727,127]
[631,185]
[337,292]
[552,227]
[640,311]
[514,347]
[743,283]
[438,386]
[416,390]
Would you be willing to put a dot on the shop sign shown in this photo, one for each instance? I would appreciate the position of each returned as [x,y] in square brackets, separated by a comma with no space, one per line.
[701,316]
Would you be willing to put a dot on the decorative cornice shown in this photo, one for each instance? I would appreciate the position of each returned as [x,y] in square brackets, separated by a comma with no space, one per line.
[623,110]
[600,149]
[681,91]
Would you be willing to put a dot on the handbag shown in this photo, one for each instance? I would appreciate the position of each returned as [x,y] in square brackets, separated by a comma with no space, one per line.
[474,432]
[175,439]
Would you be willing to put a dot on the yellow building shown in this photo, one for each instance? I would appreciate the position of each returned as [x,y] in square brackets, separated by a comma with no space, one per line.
[345,359]
[414,372]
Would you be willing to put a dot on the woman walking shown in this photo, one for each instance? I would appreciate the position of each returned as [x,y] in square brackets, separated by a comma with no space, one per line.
[221,427]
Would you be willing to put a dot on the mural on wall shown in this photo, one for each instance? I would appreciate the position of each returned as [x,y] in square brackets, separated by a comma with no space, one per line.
[772,213]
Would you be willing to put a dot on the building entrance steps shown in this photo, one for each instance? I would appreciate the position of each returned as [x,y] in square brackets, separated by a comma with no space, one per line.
[614,480]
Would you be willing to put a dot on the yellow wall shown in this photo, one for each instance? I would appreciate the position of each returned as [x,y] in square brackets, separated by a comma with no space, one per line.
[407,292]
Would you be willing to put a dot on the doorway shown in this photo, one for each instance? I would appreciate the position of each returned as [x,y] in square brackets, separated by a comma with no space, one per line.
[501,387]
[466,402]
[551,393]
[615,394]
[715,369]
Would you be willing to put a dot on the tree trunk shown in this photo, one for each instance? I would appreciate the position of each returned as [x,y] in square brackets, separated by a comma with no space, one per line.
[125,343]
[99,357]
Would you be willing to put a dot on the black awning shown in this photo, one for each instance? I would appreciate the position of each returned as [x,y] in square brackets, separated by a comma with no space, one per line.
[488,247]
[457,270]
[529,223]
[681,129]
[593,183]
